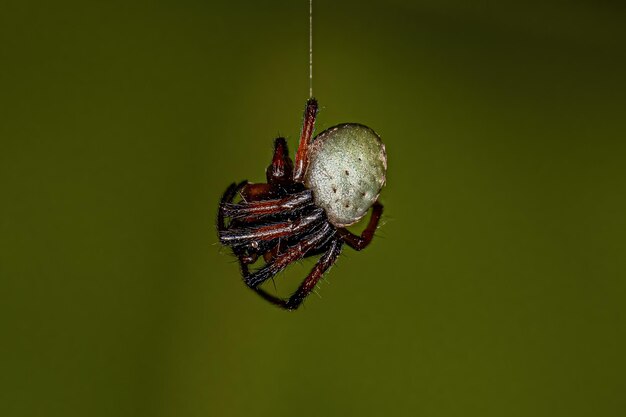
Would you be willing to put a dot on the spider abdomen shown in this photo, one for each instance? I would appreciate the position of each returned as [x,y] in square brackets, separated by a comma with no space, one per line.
[347,169]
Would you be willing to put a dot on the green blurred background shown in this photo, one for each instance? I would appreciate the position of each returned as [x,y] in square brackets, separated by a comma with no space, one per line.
[495,287]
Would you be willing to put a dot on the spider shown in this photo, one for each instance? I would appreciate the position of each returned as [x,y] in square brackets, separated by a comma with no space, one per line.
[304,208]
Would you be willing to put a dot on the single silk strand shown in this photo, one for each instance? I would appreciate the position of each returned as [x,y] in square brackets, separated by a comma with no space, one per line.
[310,48]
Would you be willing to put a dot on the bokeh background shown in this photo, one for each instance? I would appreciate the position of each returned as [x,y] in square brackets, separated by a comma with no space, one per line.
[495,287]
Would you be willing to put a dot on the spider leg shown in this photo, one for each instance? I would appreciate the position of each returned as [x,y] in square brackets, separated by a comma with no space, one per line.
[317,239]
[309,283]
[308,125]
[234,236]
[248,251]
[251,206]
[255,191]
[223,212]
[227,198]
[360,242]
[271,254]
[268,207]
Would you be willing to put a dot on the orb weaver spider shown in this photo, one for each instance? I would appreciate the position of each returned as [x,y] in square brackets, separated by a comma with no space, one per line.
[304,208]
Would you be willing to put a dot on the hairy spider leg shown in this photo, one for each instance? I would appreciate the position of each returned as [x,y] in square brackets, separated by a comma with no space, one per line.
[308,126]
[248,211]
[316,240]
[320,268]
[309,283]
[256,205]
[227,198]
[241,235]
[255,191]
[271,254]
[236,234]
[360,242]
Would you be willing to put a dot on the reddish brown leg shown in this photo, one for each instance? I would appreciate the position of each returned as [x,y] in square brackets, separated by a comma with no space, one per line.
[308,125]
[271,254]
[266,207]
[227,198]
[324,263]
[255,192]
[360,242]
[316,240]
[240,235]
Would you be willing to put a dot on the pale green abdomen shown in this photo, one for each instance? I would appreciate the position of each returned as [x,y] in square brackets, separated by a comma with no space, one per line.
[347,169]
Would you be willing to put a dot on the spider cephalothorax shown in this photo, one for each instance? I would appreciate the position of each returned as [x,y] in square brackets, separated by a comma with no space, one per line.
[304,208]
